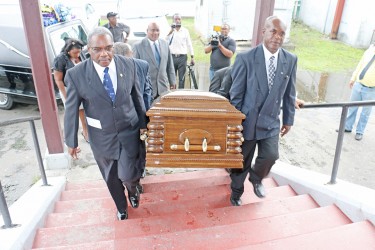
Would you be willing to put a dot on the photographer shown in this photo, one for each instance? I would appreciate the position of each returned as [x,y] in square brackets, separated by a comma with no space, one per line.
[179,43]
[223,48]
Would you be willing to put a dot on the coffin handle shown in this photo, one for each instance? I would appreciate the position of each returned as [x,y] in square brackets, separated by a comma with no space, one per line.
[187,144]
[204,145]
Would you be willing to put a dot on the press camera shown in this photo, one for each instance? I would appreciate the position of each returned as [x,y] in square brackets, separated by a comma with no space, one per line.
[175,25]
[217,37]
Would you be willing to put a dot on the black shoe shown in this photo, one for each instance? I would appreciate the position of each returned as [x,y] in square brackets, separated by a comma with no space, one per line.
[346,131]
[134,199]
[122,216]
[235,201]
[139,188]
[259,189]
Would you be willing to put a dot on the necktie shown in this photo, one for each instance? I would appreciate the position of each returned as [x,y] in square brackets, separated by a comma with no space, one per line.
[366,68]
[271,72]
[157,54]
[107,82]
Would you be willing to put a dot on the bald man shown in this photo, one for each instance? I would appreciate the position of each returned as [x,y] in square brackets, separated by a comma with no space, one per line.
[263,78]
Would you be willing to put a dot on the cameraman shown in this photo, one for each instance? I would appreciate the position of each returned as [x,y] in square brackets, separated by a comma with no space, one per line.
[223,48]
[179,42]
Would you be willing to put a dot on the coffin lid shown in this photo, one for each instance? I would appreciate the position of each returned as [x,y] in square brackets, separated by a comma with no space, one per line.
[194,103]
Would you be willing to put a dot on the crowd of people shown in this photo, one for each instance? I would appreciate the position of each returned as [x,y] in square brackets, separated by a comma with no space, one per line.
[115,87]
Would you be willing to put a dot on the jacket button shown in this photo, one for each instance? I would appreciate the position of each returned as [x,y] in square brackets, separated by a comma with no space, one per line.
[114,107]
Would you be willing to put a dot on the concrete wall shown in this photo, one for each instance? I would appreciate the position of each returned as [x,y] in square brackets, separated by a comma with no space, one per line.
[357,23]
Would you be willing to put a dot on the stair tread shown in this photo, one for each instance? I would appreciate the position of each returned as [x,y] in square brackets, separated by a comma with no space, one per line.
[359,235]
[199,174]
[258,210]
[147,198]
[267,229]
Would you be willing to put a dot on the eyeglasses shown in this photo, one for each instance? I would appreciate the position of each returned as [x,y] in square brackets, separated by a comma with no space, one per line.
[99,50]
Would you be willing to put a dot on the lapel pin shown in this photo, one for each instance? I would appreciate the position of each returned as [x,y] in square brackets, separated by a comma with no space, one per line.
[120,75]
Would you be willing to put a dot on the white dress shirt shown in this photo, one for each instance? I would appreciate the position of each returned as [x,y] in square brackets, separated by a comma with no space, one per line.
[111,71]
[267,56]
[181,42]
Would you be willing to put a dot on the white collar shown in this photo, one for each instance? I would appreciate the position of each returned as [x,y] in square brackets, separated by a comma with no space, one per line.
[268,54]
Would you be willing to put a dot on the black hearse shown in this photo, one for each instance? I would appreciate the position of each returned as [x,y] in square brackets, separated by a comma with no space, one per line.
[16,80]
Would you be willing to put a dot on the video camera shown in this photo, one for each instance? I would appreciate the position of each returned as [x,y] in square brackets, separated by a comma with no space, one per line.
[175,25]
[217,37]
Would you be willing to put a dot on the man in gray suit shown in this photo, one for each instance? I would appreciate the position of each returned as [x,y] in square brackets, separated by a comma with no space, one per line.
[263,78]
[108,87]
[156,52]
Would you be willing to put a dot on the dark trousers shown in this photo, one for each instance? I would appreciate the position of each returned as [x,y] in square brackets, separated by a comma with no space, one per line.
[119,174]
[268,153]
[179,64]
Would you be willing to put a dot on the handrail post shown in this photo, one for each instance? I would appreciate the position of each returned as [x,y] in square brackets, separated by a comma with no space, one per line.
[340,139]
[38,154]
[4,210]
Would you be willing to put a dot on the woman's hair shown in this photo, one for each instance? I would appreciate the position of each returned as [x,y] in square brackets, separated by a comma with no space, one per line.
[70,44]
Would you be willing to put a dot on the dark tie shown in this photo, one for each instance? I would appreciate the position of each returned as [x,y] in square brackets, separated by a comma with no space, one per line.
[366,68]
[107,82]
[271,72]
[157,54]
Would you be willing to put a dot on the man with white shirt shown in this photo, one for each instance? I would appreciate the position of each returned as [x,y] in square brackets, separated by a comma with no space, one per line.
[180,43]
[263,78]
[107,86]
[156,52]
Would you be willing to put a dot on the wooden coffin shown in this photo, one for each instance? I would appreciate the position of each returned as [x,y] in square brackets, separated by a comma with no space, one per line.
[194,129]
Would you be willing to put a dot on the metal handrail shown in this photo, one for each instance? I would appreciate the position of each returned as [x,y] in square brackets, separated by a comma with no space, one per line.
[340,137]
[3,205]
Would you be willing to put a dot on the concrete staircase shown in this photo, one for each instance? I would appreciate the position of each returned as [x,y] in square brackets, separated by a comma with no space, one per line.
[192,211]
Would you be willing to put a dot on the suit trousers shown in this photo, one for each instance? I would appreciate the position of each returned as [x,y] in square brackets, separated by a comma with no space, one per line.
[268,153]
[114,173]
[179,64]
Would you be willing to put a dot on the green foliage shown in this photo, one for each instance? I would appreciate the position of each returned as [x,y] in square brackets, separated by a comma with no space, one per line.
[317,52]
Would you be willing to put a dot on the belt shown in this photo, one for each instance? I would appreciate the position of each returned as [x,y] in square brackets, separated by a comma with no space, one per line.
[366,86]
[178,55]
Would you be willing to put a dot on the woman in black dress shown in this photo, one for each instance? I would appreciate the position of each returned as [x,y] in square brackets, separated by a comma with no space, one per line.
[69,57]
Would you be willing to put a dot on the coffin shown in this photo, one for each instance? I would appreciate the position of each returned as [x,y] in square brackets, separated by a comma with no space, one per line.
[193,129]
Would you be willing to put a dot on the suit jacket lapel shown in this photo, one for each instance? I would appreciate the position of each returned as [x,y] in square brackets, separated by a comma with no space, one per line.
[94,81]
[260,70]
[150,51]
[120,69]
[280,71]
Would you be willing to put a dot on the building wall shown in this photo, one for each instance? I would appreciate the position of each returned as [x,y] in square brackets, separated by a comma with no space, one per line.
[239,14]
[357,23]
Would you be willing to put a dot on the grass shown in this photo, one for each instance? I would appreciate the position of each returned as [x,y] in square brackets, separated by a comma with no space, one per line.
[317,52]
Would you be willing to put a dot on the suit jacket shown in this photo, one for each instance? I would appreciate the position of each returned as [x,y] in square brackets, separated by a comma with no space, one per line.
[249,92]
[216,80]
[226,83]
[162,76]
[144,81]
[111,126]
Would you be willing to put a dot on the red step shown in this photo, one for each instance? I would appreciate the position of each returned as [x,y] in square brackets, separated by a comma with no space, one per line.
[193,230]
[258,210]
[359,235]
[240,234]
[157,188]
[200,174]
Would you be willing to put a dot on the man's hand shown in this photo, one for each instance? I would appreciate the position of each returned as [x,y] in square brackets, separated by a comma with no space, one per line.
[351,83]
[284,130]
[173,86]
[192,62]
[73,152]
[299,103]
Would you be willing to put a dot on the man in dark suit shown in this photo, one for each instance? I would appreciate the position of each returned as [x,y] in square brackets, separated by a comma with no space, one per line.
[221,82]
[263,78]
[156,52]
[108,87]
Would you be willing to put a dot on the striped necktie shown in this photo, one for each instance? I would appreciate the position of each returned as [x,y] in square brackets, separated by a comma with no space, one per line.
[271,72]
